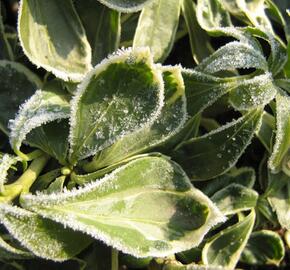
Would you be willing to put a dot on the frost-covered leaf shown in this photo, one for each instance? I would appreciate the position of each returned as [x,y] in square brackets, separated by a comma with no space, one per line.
[264,247]
[211,15]
[282,141]
[225,248]
[157,27]
[254,92]
[170,121]
[6,161]
[255,12]
[145,208]
[196,34]
[279,198]
[125,5]
[47,105]
[17,84]
[192,266]
[244,176]
[51,138]
[42,237]
[202,90]
[234,55]
[53,37]
[216,152]
[121,95]
[104,33]
[235,198]
[9,252]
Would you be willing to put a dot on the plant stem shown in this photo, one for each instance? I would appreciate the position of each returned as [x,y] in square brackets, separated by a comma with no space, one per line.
[25,181]
[114,260]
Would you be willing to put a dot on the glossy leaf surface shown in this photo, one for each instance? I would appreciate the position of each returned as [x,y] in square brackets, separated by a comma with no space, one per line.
[53,37]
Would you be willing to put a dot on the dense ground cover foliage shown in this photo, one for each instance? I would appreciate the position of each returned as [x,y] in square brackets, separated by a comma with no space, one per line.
[144,134]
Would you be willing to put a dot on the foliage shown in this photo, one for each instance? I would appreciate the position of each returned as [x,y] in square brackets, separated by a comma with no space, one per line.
[144,134]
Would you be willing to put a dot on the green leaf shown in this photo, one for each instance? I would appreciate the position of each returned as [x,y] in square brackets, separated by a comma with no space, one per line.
[17,84]
[222,147]
[46,105]
[170,121]
[9,252]
[279,198]
[282,141]
[192,266]
[51,138]
[225,248]
[197,35]
[53,37]
[6,161]
[157,27]
[104,34]
[145,208]
[255,13]
[235,198]
[125,5]
[43,237]
[264,247]
[121,95]
[235,54]
[211,15]
[254,92]
[265,133]
[202,90]
[244,176]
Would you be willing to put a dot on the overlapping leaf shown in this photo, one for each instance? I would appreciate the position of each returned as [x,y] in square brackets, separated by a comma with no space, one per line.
[125,5]
[264,247]
[168,123]
[104,34]
[17,84]
[222,147]
[53,37]
[157,26]
[121,209]
[47,105]
[121,95]
[42,237]
[225,248]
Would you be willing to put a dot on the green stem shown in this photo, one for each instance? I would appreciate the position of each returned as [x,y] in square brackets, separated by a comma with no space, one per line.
[115,261]
[25,181]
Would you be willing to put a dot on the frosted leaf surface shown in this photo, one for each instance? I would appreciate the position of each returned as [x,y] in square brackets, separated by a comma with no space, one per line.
[254,92]
[202,90]
[125,5]
[17,84]
[244,176]
[53,37]
[211,15]
[6,161]
[235,198]
[121,95]
[147,207]
[44,106]
[225,248]
[43,237]
[222,147]
[168,123]
[9,252]
[282,140]
[232,56]
[157,27]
